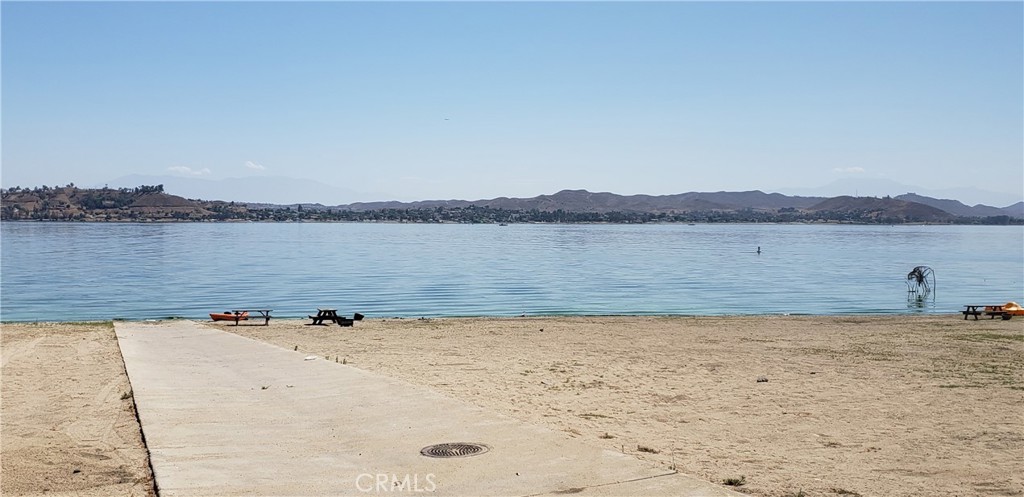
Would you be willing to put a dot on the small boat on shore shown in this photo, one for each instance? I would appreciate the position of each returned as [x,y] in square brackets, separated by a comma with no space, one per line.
[228,316]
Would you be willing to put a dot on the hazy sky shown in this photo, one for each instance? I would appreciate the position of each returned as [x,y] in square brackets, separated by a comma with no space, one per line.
[479,100]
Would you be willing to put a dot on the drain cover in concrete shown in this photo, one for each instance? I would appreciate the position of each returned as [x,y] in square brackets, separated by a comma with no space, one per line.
[454,450]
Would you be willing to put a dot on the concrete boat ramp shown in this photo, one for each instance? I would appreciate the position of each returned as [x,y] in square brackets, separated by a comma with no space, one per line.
[224,415]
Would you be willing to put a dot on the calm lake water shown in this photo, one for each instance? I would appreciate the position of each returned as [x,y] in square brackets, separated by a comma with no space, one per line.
[75,271]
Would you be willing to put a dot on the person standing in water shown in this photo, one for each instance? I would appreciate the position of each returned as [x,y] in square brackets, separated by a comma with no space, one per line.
[759,250]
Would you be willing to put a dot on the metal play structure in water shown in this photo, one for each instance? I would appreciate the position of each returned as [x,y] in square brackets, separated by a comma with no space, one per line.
[920,282]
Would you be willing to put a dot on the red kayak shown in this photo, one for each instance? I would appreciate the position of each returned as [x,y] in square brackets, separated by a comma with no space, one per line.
[228,316]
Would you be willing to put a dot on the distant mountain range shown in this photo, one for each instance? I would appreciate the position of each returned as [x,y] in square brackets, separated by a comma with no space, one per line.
[881,187]
[285,190]
[151,203]
[584,201]
[957,208]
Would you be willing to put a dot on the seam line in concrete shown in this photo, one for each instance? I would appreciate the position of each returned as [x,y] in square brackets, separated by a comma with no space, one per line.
[135,411]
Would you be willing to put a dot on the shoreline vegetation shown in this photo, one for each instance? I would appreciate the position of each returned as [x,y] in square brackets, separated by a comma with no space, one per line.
[784,405]
[151,204]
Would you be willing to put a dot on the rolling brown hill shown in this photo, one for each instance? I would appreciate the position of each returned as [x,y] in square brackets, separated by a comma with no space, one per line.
[960,209]
[871,208]
[72,203]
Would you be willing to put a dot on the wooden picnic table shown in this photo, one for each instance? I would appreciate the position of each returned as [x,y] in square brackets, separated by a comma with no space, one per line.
[264,313]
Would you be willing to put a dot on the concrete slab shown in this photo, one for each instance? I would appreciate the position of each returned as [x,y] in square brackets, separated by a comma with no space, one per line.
[225,415]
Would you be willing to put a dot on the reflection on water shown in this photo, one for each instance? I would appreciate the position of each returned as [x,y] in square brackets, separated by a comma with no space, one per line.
[75,271]
[917,302]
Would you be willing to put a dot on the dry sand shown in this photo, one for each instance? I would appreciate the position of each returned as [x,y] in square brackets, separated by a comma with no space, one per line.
[64,427]
[886,406]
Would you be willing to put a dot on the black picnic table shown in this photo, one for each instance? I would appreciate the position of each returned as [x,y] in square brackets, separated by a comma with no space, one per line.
[989,310]
[330,315]
[972,310]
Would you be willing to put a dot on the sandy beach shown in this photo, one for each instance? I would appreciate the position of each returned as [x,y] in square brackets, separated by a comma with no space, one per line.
[68,421]
[888,406]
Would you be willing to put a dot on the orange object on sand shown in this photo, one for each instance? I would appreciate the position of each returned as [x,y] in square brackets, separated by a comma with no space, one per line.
[1013,309]
[228,316]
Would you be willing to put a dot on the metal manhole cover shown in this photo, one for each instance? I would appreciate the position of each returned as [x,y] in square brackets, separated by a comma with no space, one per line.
[454,450]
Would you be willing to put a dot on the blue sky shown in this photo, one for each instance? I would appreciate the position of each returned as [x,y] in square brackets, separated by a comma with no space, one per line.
[479,100]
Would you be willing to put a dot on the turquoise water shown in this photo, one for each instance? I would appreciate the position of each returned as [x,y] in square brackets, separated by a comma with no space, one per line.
[76,271]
